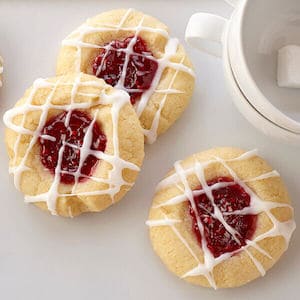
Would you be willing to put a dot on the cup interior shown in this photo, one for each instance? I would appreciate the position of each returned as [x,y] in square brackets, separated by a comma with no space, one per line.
[268,26]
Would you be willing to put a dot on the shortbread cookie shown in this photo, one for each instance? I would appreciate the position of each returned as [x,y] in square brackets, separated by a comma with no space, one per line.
[134,52]
[1,70]
[221,218]
[75,144]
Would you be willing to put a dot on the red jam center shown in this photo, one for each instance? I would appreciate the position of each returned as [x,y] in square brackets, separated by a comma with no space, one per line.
[57,134]
[228,199]
[133,54]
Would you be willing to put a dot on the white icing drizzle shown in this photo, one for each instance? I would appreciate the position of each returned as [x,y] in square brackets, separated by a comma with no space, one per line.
[1,70]
[165,222]
[257,206]
[75,39]
[117,99]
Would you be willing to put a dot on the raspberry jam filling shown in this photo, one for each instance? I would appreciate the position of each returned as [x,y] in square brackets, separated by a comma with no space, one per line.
[56,135]
[133,54]
[228,199]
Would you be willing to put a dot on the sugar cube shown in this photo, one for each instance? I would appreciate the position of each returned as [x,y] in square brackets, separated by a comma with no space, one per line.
[288,69]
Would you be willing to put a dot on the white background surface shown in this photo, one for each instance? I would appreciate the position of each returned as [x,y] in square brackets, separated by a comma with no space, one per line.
[108,255]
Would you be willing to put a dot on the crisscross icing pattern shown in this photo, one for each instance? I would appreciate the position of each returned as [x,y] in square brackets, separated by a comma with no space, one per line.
[77,39]
[116,99]
[257,206]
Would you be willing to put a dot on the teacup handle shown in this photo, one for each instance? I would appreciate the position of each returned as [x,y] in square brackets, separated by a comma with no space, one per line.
[206,32]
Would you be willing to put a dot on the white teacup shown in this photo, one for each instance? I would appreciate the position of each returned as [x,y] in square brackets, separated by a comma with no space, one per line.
[249,43]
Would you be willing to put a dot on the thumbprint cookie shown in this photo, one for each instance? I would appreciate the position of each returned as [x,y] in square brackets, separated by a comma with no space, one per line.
[75,144]
[134,52]
[221,218]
